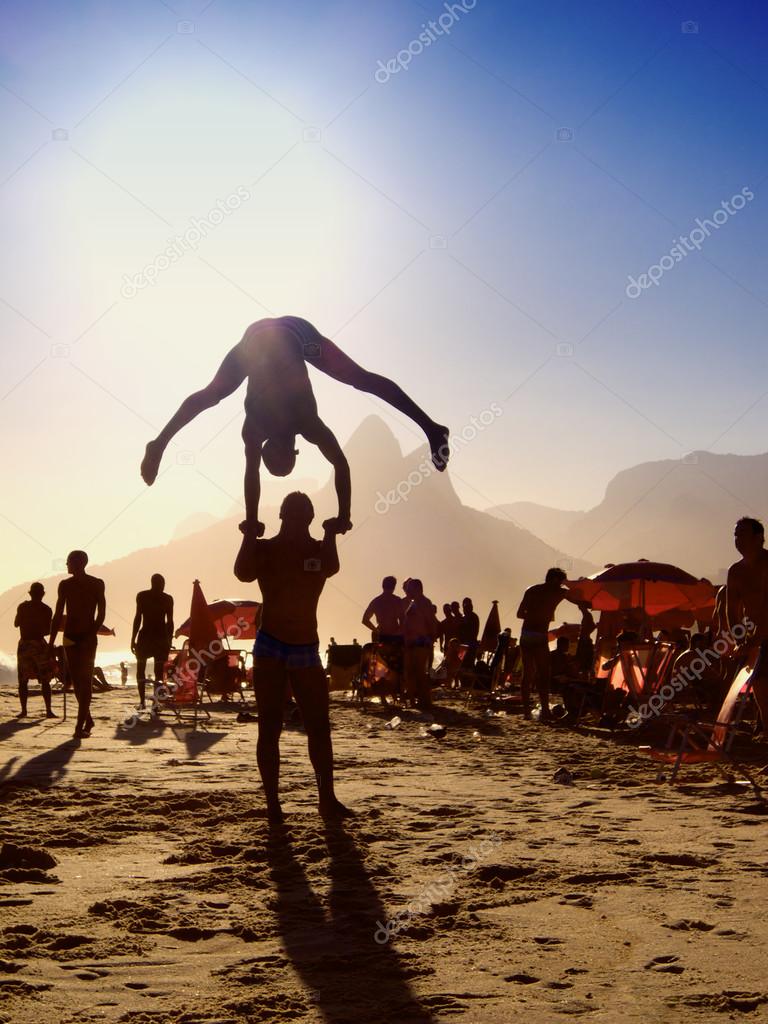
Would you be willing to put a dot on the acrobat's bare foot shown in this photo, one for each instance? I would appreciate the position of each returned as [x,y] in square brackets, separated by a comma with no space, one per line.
[252,528]
[438,443]
[150,465]
[334,810]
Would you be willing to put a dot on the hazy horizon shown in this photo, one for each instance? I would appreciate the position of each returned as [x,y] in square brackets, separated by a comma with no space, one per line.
[468,227]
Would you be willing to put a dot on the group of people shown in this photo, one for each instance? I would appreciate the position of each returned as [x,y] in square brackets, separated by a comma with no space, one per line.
[79,616]
[408,629]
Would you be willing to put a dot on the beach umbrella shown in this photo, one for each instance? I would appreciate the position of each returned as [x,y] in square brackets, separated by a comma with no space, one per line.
[202,629]
[232,617]
[648,588]
[490,635]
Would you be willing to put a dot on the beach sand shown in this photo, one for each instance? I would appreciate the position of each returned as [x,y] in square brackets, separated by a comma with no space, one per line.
[156,893]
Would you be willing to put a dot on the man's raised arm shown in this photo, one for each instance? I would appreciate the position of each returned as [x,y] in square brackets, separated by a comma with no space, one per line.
[250,558]
[329,555]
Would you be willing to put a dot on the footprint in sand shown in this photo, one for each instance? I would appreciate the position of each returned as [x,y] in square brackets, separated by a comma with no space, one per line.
[664,965]
[686,925]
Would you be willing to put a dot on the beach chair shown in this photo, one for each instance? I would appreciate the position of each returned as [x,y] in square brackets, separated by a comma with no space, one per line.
[182,693]
[224,677]
[692,742]
[380,671]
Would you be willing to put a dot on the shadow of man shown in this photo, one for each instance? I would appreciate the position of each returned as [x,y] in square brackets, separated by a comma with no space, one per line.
[350,976]
[47,768]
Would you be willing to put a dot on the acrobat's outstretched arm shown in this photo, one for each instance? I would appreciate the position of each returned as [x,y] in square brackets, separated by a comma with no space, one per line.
[229,377]
[325,440]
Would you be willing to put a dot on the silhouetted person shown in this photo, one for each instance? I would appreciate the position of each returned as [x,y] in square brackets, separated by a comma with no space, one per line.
[537,610]
[81,598]
[747,601]
[291,569]
[585,648]
[279,404]
[123,673]
[387,609]
[34,659]
[152,633]
[469,630]
[499,656]
[420,627]
[447,627]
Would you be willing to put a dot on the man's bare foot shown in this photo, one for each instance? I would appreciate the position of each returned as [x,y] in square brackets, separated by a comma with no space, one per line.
[22,714]
[51,714]
[151,463]
[252,527]
[334,810]
[438,443]
[275,814]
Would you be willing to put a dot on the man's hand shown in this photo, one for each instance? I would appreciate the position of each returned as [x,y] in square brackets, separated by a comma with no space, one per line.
[133,648]
[338,525]
[252,527]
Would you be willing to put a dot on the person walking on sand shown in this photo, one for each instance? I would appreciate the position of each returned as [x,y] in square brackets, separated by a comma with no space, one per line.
[747,602]
[152,633]
[123,674]
[279,404]
[537,610]
[34,659]
[291,569]
[81,598]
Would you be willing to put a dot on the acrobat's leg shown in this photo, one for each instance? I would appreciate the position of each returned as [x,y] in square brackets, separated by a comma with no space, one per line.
[329,358]
[253,440]
[229,377]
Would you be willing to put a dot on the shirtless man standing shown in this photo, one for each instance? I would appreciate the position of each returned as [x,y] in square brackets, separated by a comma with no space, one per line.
[291,570]
[81,598]
[537,609]
[280,404]
[33,657]
[388,610]
[152,633]
[747,601]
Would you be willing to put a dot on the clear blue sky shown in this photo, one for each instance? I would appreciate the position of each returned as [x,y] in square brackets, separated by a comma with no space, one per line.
[467,226]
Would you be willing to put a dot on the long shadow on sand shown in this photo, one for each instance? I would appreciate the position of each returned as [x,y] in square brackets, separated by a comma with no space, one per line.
[350,976]
[47,768]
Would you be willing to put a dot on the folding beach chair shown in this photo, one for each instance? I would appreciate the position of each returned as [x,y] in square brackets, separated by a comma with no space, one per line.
[223,676]
[691,742]
[380,671]
[182,693]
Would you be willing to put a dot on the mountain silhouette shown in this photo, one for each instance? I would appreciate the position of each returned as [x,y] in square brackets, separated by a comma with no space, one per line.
[425,532]
[676,510]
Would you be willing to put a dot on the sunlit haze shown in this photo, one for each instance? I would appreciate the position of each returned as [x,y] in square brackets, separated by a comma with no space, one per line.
[467,226]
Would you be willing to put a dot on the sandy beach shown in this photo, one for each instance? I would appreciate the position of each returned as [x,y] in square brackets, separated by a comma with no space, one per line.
[155,892]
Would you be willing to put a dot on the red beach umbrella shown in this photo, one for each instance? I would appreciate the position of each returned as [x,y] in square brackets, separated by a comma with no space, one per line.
[232,617]
[650,588]
[491,630]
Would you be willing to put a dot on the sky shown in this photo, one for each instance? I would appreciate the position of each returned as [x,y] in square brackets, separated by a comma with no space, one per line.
[465,215]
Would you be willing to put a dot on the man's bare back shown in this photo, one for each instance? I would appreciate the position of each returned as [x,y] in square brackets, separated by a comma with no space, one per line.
[81,597]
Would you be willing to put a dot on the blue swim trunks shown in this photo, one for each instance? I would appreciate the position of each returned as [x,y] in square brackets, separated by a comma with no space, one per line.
[290,655]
